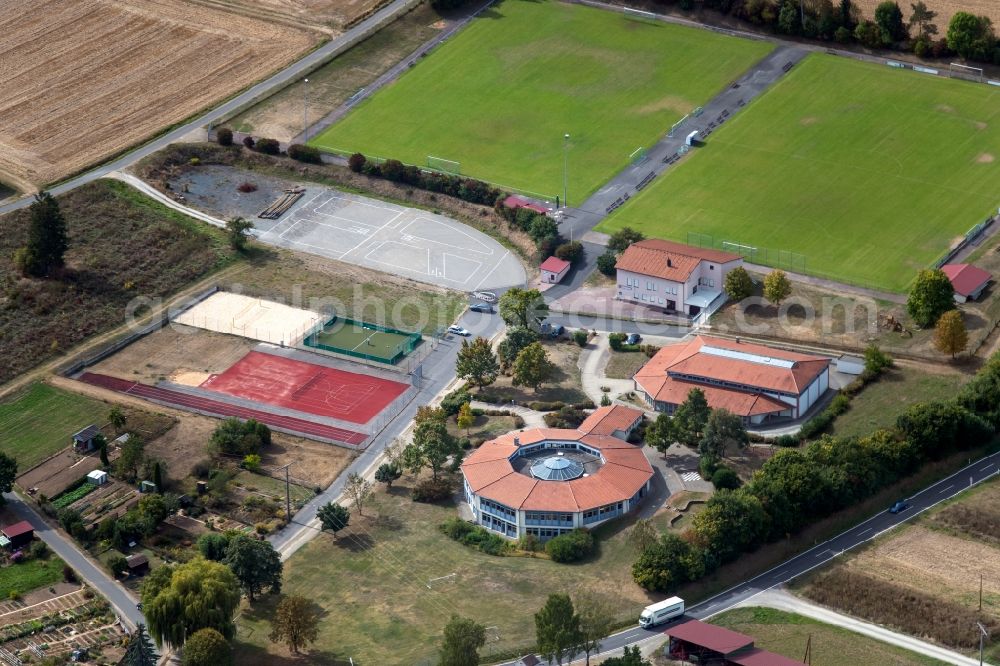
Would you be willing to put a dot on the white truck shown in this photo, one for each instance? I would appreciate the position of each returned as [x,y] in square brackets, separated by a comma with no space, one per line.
[661,611]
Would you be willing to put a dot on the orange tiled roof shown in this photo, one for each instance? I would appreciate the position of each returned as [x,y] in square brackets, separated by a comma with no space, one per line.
[608,420]
[668,260]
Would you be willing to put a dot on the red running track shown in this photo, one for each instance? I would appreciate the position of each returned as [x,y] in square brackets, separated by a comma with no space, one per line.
[306,387]
[222,408]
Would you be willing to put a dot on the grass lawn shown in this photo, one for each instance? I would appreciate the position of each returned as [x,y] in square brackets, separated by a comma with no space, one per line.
[363,340]
[870,173]
[484,428]
[39,422]
[499,96]
[565,384]
[787,633]
[21,578]
[878,405]
[371,584]
[622,365]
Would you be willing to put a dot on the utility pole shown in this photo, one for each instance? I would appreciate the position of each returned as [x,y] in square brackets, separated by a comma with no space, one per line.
[305,107]
[982,634]
[288,500]
[980,592]
[565,170]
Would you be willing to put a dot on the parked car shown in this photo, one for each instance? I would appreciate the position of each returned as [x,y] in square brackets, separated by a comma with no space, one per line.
[899,507]
[458,330]
[482,307]
[633,339]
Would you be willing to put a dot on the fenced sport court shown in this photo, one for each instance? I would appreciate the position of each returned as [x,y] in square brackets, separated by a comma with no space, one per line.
[254,318]
[363,340]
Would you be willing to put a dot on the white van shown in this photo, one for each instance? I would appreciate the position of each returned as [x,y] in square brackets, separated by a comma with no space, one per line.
[660,612]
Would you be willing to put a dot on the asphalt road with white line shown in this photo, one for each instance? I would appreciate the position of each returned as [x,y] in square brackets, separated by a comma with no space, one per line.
[819,555]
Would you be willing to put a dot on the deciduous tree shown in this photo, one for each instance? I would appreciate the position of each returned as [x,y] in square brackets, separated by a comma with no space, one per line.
[333,517]
[661,434]
[517,338]
[207,647]
[738,284]
[462,639]
[667,564]
[117,419]
[522,307]
[643,535]
[971,36]
[596,619]
[132,455]
[732,522]
[8,472]
[691,417]
[631,657]
[950,336]
[431,447]
[606,263]
[930,297]
[477,362]
[465,418]
[724,430]
[532,367]
[295,623]
[557,628]
[922,17]
[621,239]
[179,600]
[777,287]
[255,563]
[359,489]
[238,230]
[889,18]
[212,546]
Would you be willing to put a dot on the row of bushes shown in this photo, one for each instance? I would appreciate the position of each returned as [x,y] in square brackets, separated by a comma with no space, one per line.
[297,151]
[475,536]
[567,547]
[467,189]
[876,363]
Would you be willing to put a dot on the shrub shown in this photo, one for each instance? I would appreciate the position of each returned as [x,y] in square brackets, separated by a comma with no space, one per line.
[475,536]
[432,490]
[567,417]
[786,441]
[606,263]
[393,170]
[542,406]
[616,341]
[69,574]
[707,466]
[571,252]
[246,186]
[194,161]
[224,136]
[38,550]
[726,477]
[117,565]
[571,546]
[202,469]
[356,162]
[302,153]
[452,402]
[248,142]
[268,146]
[580,337]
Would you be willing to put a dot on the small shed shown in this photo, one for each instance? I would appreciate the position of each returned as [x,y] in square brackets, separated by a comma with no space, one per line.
[554,269]
[517,202]
[98,477]
[692,138]
[967,280]
[850,365]
[147,487]
[83,441]
[138,564]
[19,534]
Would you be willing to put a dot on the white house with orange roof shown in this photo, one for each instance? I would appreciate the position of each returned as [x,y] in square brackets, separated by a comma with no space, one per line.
[672,276]
[753,381]
[547,481]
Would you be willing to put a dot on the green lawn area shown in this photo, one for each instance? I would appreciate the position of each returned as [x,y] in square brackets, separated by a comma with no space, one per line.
[623,365]
[30,575]
[871,173]
[500,96]
[787,634]
[878,405]
[39,422]
[371,584]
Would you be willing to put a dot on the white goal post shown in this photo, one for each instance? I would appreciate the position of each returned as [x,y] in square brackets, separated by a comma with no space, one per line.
[966,69]
[445,166]
[638,14]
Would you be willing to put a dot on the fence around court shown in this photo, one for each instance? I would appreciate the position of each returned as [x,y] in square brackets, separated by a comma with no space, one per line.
[776,258]
[410,342]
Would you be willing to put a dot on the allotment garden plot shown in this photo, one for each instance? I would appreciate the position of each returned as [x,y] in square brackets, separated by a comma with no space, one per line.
[859,172]
[499,97]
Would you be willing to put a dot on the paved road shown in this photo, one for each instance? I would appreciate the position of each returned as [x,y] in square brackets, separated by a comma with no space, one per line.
[120,598]
[269,85]
[821,554]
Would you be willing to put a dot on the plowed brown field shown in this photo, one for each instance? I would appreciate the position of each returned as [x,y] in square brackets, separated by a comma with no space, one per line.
[83,80]
[944,8]
[327,14]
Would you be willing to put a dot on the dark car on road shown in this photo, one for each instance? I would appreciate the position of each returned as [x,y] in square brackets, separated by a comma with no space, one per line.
[482,307]
[899,507]
[633,339]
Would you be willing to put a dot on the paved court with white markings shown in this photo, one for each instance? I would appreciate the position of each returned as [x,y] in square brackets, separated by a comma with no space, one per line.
[408,242]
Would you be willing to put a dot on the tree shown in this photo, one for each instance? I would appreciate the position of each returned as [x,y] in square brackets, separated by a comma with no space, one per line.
[239,438]
[726,477]
[117,565]
[732,522]
[101,442]
[876,360]
[738,284]
[869,34]
[532,367]
[776,287]
[921,17]
[571,252]
[462,639]
[522,307]
[971,36]
[466,419]
[213,545]
[387,473]
[788,18]
[557,628]
[251,462]
[889,19]
[295,623]
[179,600]
[691,417]
[333,517]
[631,657]
[117,419]
[132,455]
[847,14]
[661,434]
[255,564]
[477,362]
[643,535]
[139,649]
[224,136]
[8,472]
[152,509]
[606,263]
[950,336]
[47,240]
[570,546]
[158,476]
[621,239]
[668,563]
[432,444]
[207,647]
[356,162]
[596,619]
[517,338]
[542,228]
[238,230]
[931,296]
[723,431]
[359,490]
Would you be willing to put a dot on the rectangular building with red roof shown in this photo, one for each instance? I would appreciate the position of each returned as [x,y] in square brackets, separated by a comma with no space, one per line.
[753,381]
[554,269]
[673,277]
[967,280]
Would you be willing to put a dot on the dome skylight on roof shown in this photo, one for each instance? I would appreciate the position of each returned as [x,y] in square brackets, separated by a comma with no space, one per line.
[556,469]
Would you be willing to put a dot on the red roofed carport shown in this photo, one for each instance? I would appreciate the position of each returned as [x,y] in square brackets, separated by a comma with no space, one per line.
[696,638]
[19,534]
[759,657]
[517,202]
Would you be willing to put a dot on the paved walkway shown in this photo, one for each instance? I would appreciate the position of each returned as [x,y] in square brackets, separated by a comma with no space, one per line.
[531,418]
[781,599]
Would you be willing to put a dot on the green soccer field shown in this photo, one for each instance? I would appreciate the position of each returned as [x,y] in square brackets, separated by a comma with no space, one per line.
[870,173]
[362,340]
[500,95]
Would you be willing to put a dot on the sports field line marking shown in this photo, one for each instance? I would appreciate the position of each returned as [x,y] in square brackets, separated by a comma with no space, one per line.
[372,237]
[450,228]
[495,266]
[397,268]
[444,261]
[319,213]
[323,250]
[334,197]
[292,215]
[358,227]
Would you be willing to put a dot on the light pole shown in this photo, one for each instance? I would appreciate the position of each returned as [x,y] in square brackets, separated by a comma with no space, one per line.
[305,106]
[565,169]
[982,634]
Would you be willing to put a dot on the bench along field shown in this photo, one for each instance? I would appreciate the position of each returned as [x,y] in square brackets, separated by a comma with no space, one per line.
[499,97]
[85,80]
[867,174]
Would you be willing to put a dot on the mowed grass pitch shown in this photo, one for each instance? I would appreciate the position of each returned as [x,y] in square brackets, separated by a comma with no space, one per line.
[500,95]
[870,172]
[362,340]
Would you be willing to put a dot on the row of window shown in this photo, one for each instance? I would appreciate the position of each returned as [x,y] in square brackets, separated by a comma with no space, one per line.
[569,446]
[544,533]
[497,525]
[496,509]
[650,286]
[706,282]
[733,385]
[651,299]
[543,518]
[603,513]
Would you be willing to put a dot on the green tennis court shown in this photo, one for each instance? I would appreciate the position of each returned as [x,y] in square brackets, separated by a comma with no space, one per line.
[364,340]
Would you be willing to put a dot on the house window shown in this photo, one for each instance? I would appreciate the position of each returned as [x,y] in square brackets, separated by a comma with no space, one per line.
[711,267]
[644,297]
[661,301]
[651,286]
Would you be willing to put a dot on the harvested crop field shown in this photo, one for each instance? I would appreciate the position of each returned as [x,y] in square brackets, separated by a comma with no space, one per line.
[329,14]
[85,80]
[945,10]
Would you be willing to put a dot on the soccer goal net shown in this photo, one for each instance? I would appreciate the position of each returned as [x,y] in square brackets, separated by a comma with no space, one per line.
[443,165]
[966,70]
[638,155]
[639,15]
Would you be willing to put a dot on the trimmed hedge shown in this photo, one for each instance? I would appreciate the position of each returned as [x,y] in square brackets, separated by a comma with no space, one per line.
[571,546]
[475,536]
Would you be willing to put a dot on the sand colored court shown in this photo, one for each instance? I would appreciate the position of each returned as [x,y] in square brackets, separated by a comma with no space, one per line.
[254,318]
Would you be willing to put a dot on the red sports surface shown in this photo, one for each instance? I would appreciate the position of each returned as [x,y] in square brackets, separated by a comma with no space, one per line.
[197,403]
[306,387]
